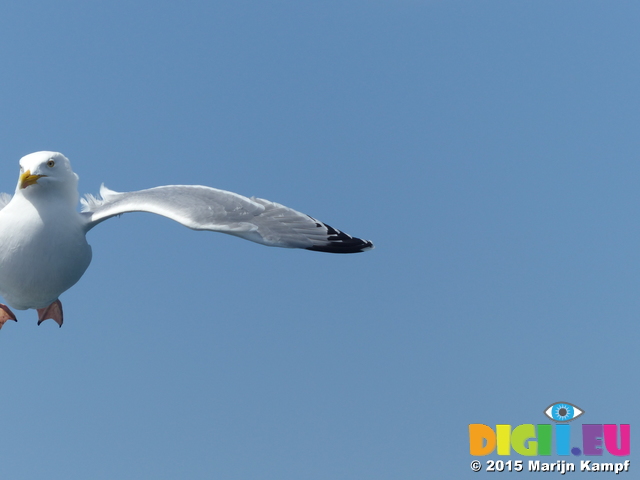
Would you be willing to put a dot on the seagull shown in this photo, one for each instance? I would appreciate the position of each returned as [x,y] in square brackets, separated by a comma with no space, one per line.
[43,245]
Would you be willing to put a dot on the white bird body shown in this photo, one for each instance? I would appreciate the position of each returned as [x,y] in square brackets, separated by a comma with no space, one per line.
[43,247]
[46,256]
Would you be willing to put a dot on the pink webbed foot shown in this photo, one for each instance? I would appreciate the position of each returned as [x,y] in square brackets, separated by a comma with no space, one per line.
[6,314]
[53,311]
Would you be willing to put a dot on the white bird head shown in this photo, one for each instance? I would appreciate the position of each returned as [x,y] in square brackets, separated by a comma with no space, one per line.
[45,172]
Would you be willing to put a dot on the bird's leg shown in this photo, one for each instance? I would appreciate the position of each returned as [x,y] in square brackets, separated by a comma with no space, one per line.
[53,311]
[6,314]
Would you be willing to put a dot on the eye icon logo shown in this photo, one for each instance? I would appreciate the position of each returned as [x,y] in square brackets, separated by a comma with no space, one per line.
[563,412]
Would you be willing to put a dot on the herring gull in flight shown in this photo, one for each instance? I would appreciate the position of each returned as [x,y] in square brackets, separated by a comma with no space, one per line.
[43,245]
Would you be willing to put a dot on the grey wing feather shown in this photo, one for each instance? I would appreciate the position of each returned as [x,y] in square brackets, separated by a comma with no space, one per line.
[5,198]
[206,208]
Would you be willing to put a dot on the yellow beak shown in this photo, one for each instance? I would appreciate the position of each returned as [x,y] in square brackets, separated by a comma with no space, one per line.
[27,179]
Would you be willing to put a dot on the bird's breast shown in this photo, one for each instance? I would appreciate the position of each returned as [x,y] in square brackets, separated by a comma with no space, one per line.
[41,256]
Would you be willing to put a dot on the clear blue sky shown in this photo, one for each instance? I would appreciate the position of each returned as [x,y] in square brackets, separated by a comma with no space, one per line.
[489,149]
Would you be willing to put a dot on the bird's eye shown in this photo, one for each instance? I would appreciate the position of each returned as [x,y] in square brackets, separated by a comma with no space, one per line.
[50,163]
[563,412]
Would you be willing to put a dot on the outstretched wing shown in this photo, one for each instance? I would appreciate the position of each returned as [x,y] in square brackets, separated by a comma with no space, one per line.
[206,208]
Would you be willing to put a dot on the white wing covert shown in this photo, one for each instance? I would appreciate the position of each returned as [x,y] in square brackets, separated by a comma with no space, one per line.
[205,208]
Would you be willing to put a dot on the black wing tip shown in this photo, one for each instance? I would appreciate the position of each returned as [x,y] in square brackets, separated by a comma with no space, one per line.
[340,242]
[363,246]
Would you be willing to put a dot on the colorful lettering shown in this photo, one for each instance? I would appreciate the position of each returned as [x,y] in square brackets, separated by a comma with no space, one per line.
[592,439]
[544,439]
[611,439]
[563,439]
[478,435]
[596,438]
[520,436]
